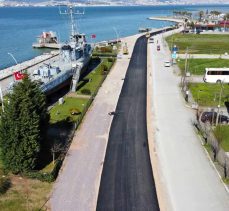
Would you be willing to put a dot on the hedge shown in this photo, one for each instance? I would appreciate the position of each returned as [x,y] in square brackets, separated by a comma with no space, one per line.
[45,176]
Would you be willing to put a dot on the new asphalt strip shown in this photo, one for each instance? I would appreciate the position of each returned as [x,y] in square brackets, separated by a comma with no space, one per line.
[127,180]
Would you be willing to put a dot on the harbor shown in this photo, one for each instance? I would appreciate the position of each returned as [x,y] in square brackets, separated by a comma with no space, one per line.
[100,115]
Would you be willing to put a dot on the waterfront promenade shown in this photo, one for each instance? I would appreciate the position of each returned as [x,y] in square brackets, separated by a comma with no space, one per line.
[186,176]
[6,75]
[78,183]
[7,72]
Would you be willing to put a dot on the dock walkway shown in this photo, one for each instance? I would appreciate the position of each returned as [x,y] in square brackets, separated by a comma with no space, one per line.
[7,72]
[170,19]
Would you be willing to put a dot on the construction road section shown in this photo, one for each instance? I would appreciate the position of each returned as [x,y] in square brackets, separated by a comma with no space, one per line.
[78,183]
[186,174]
[127,182]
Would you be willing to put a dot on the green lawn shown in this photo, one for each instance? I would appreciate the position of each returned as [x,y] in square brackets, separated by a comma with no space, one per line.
[25,194]
[222,134]
[208,94]
[197,66]
[208,148]
[200,43]
[94,78]
[62,112]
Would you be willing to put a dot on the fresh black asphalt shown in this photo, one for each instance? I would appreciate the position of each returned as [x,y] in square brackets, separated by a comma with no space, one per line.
[127,182]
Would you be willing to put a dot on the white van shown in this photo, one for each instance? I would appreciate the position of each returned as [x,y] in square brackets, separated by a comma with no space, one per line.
[216,75]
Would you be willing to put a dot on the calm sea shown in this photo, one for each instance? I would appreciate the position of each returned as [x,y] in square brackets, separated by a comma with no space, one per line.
[20,26]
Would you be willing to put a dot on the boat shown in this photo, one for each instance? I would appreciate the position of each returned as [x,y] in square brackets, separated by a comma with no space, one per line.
[47,40]
[144,30]
[73,58]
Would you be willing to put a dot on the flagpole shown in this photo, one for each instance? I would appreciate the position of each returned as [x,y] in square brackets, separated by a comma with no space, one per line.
[1,96]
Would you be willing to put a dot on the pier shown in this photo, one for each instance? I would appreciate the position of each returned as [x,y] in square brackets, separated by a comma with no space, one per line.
[47,45]
[170,19]
[6,75]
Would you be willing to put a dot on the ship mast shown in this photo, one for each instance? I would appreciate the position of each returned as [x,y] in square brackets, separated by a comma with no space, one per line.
[70,11]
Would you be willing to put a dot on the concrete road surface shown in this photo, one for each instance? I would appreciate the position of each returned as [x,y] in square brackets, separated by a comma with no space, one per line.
[127,182]
[191,183]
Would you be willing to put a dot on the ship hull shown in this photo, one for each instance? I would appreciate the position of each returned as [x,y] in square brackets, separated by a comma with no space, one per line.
[63,82]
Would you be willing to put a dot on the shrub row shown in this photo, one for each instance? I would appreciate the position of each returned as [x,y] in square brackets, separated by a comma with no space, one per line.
[105,54]
[45,176]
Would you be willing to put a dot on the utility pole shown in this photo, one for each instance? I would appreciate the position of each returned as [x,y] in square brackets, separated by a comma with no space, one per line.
[185,69]
[220,97]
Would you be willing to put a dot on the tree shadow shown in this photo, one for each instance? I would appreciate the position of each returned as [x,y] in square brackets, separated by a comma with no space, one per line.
[92,65]
[227,105]
[58,133]
[82,84]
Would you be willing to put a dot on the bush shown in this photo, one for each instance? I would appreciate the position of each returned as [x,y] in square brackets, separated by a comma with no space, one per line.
[86,92]
[5,184]
[106,49]
[43,176]
[110,59]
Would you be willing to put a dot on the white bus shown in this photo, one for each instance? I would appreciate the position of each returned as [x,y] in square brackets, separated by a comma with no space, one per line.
[216,75]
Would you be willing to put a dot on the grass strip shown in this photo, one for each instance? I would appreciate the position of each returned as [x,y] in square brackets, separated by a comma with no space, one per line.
[200,43]
[206,94]
[197,66]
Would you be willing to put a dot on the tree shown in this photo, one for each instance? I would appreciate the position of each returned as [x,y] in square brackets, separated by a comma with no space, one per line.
[215,12]
[22,127]
[201,14]
[57,147]
[226,16]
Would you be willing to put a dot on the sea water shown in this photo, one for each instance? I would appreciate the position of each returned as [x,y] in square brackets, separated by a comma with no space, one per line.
[20,26]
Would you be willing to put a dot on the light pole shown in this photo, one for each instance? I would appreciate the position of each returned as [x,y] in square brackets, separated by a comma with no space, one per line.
[220,97]
[13,57]
[200,90]
[197,114]
[117,34]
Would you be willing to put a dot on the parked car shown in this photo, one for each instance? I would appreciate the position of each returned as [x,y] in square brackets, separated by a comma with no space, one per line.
[158,48]
[167,64]
[212,116]
[151,40]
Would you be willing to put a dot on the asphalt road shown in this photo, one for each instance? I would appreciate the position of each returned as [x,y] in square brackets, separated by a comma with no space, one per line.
[127,180]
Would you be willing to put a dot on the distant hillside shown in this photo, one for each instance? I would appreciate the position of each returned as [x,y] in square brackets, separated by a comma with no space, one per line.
[134,2]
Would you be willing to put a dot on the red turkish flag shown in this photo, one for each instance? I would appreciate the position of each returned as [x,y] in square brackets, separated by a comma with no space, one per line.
[93,36]
[18,75]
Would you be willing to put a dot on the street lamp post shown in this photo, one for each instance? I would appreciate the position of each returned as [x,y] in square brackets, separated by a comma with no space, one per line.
[198,96]
[13,57]
[197,115]
[220,97]
[117,34]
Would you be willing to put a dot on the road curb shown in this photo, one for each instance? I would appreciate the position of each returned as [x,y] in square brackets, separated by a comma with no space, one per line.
[161,194]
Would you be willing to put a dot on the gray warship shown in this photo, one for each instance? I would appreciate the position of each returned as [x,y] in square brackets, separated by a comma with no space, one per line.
[73,58]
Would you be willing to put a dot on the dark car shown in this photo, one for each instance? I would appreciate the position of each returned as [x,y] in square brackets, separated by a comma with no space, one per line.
[212,116]
[158,48]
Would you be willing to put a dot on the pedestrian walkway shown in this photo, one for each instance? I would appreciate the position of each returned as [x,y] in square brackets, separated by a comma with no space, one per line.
[189,180]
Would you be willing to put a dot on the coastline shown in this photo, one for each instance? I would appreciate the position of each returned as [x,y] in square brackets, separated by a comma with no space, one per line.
[118,5]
